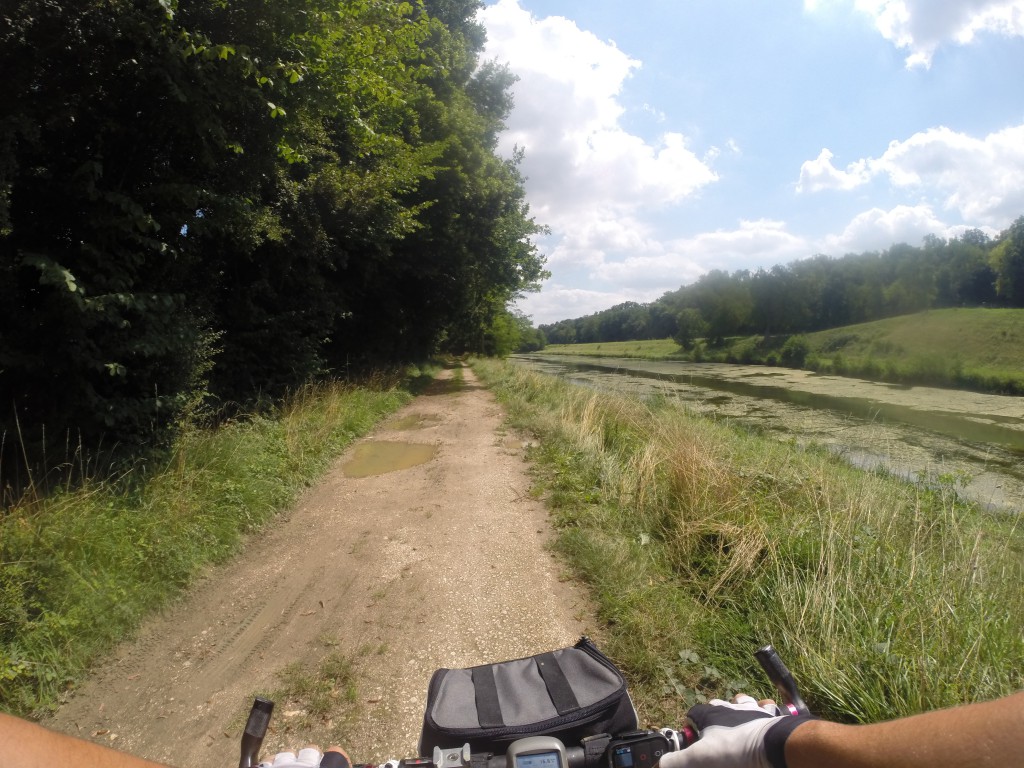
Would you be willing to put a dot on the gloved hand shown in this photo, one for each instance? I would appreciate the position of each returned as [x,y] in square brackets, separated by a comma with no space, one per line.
[310,757]
[742,734]
[307,758]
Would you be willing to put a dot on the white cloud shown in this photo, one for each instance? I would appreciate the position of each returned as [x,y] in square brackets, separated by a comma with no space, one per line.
[922,26]
[579,158]
[754,243]
[597,235]
[668,265]
[877,230]
[562,302]
[819,174]
[620,171]
[588,178]
[661,265]
[982,179]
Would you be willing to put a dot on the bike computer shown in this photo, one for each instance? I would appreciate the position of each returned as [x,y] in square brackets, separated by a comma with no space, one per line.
[536,752]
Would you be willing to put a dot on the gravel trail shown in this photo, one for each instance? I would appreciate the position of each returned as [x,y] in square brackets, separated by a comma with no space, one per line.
[442,564]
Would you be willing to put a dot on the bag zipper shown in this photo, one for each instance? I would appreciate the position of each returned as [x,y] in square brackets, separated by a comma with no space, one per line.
[586,645]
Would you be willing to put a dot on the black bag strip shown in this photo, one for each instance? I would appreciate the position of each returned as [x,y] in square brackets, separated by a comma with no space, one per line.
[558,686]
[487,706]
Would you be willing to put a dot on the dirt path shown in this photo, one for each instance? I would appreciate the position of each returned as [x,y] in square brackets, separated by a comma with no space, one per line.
[438,565]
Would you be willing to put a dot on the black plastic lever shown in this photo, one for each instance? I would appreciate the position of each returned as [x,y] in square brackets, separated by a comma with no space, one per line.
[782,679]
[255,729]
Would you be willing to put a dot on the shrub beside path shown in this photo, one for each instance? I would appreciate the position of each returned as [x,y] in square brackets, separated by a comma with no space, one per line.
[439,565]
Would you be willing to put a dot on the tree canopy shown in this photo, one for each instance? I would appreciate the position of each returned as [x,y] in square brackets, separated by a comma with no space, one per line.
[207,200]
[821,292]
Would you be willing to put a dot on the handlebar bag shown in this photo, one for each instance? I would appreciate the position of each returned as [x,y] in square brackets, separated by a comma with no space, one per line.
[569,693]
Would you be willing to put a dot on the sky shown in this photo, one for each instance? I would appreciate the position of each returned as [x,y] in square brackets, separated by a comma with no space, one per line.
[667,138]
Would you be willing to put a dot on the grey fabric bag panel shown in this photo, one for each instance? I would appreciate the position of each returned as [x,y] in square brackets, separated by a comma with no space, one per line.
[569,693]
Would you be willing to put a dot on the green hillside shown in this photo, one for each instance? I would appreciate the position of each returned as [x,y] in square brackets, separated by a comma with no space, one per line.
[989,341]
[978,348]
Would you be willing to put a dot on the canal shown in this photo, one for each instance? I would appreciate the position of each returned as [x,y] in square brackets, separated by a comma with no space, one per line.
[924,434]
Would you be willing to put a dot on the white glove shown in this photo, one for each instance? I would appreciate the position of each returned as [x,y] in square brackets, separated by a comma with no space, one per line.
[308,758]
[735,735]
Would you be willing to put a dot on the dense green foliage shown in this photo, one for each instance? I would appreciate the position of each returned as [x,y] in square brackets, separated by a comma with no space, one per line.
[81,567]
[201,201]
[701,542]
[821,292]
[512,332]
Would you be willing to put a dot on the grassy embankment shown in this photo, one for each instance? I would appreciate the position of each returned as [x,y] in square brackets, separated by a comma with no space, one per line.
[701,542]
[80,567]
[978,349]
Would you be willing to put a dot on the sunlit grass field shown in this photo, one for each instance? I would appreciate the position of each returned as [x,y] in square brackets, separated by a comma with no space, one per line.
[987,344]
[651,349]
[701,542]
[981,349]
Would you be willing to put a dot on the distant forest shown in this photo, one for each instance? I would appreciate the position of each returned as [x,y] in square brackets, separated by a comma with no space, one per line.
[208,203]
[818,293]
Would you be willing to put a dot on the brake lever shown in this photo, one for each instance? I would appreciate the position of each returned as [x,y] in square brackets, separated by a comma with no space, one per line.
[782,679]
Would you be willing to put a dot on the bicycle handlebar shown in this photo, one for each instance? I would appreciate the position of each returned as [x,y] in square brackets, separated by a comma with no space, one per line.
[590,754]
[255,729]
[593,751]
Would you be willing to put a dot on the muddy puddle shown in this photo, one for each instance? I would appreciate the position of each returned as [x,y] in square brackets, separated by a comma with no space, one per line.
[919,433]
[379,457]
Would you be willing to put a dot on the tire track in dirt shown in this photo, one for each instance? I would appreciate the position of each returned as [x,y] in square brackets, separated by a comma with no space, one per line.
[439,565]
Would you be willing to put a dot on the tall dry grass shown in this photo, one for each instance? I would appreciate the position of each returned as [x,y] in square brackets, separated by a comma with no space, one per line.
[702,541]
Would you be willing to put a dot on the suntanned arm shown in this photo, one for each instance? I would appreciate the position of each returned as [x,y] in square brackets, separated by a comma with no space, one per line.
[27,745]
[990,733]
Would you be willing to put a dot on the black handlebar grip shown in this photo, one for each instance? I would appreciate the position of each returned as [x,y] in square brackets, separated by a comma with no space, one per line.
[334,760]
[782,679]
[255,729]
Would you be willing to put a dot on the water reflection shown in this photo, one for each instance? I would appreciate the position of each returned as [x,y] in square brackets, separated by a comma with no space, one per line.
[915,432]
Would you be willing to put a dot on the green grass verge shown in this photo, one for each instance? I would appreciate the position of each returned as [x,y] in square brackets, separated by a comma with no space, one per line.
[81,567]
[315,700]
[701,542]
[977,349]
[649,349]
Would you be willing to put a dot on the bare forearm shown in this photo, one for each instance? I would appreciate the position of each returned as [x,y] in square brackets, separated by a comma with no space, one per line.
[27,745]
[976,735]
